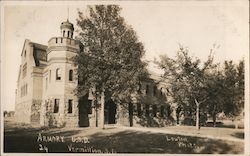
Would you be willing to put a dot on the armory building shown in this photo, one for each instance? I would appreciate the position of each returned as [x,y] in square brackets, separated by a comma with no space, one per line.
[47,80]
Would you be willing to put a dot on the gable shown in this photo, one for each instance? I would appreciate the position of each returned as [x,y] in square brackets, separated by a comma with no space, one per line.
[39,53]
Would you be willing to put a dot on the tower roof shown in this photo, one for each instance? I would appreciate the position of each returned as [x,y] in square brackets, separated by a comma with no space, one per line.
[67,24]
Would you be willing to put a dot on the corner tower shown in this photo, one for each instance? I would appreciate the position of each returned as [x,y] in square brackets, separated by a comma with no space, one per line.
[60,103]
[67,29]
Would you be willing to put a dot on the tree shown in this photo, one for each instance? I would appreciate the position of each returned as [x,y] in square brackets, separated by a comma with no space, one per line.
[234,88]
[188,82]
[111,64]
[215,91]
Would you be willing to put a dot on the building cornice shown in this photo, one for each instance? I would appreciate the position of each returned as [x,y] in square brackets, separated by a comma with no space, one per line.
[62,48]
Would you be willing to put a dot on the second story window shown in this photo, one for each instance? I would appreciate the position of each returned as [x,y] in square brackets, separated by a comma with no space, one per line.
[71,75]
[58,74]
[24,70]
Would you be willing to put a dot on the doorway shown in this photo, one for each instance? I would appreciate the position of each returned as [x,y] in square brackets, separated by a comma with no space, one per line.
[84,107]
[110,112]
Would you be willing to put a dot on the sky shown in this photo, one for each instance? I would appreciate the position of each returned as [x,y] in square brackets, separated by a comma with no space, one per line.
[161,26]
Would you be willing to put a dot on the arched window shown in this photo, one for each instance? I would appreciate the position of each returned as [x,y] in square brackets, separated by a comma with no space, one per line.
[58,74]
[68,33]
[63,33]
[71,75]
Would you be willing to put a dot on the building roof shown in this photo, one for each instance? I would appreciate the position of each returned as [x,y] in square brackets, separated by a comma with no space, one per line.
[39,53]
[67,24]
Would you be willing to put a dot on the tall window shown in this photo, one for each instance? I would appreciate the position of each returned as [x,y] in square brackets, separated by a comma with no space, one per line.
[70,75]
[139,109]
[56,105]
[58,74]
[24,90]
[147,110]
[24,70]
[147,89]
[70,103]
[68,33]
[154,110]
[139,88]
[63,33]
[162,111]
[155,89]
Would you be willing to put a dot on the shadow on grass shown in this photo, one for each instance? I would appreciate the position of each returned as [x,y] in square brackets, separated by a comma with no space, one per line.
[144,142]
[239,135]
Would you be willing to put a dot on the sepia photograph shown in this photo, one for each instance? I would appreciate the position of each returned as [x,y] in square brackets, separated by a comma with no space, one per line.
[123,77]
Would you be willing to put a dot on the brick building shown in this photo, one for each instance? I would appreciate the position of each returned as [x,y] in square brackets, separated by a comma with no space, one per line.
[47,80]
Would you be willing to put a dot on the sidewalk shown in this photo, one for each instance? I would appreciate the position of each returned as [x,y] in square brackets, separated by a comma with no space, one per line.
[204,132]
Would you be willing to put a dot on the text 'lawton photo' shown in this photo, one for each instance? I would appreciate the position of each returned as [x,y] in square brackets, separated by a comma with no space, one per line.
[163,77]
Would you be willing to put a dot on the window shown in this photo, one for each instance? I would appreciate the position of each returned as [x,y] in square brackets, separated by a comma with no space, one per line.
[70,102]
[47,105]
[24,90]
[147,110]
[63,33]
[154,110]
[147,89]
[162,111]
[155,89]
[58,74]
[139,88]
[68,33]
[24,70]
[70,75]
[25,53]
[56,40]
[139,109]
[56,106]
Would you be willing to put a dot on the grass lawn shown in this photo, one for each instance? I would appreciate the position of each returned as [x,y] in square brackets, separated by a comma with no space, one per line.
[28,139]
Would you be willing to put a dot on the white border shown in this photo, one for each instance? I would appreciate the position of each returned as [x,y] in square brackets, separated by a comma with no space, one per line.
[150,2]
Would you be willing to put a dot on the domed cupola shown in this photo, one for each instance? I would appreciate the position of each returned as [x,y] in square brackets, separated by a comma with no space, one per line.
[67,29]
